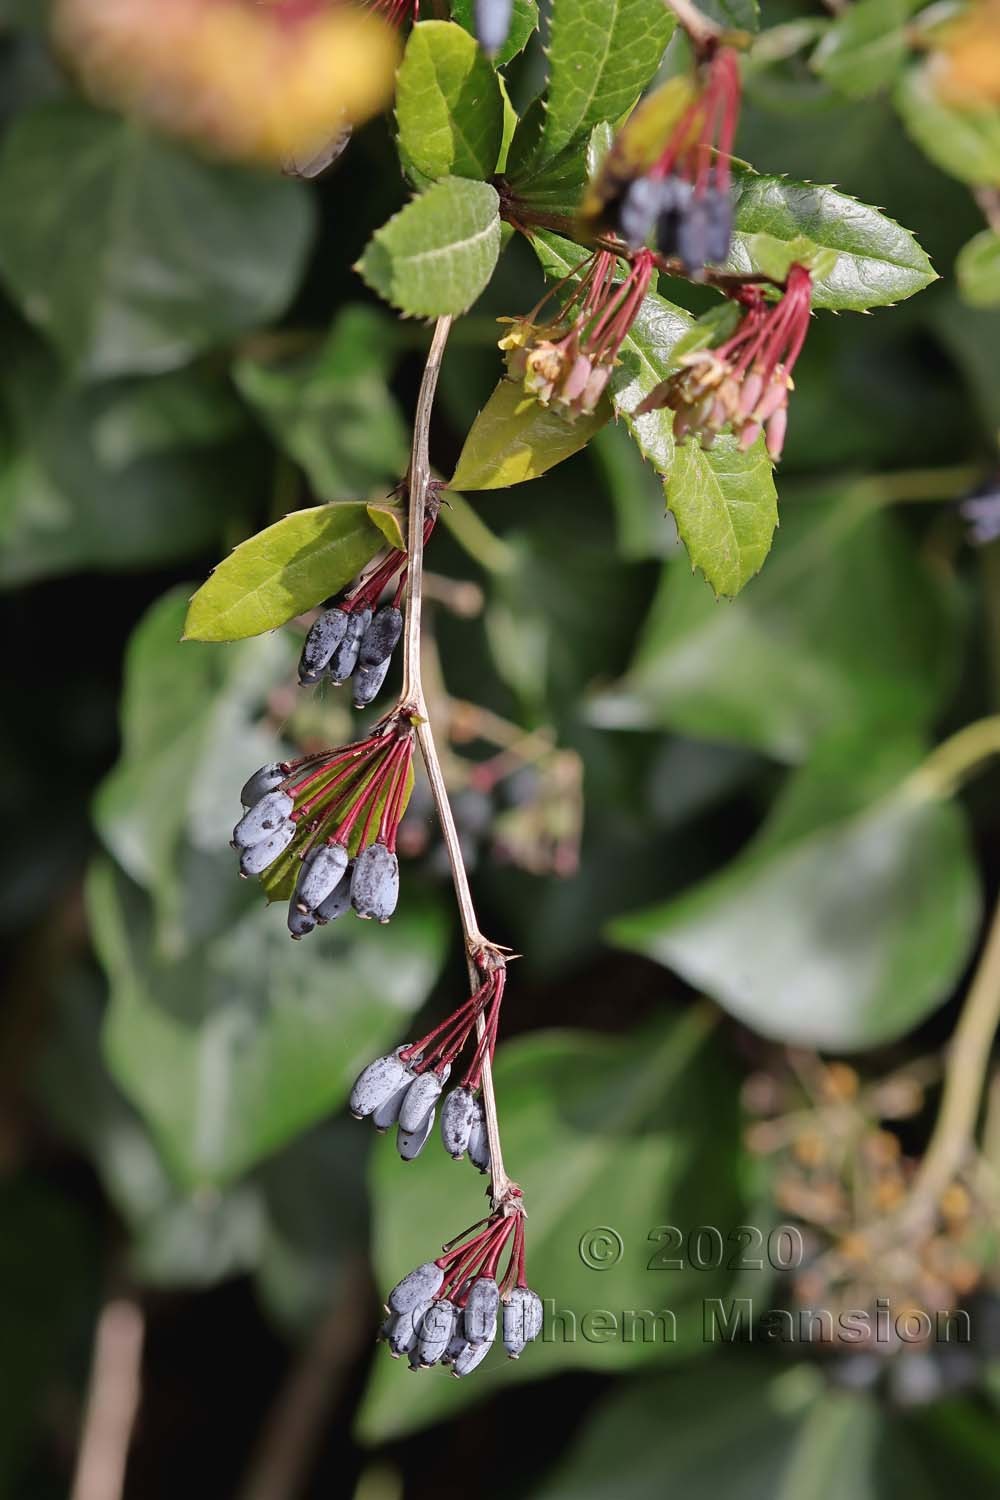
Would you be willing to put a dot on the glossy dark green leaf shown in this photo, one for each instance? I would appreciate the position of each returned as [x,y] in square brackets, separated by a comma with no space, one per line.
[524,22]
[787,663]
[449,109]
[96,242]
[601,53]
[331,409]
[287,568]
[438,253]
[233,1049]
[599,1131]
[118,475]
[839,932]
[731,1427]
[876,263]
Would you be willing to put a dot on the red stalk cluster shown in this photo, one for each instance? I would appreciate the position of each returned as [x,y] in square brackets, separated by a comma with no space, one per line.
[465,1260]
[442,1045]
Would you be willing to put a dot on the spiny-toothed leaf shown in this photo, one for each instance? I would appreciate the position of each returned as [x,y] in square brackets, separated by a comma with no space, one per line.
[602,53]
[515,438]
[877,262]
[523,23]
[738,15]
[865,48]
[437,254]
[97,248]
[449,108]
[978,270]
[283,570]
[964,142]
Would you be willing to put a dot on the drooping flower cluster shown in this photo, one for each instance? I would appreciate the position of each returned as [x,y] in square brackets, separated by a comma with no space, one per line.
[260,82]
[742,384]
[356,638]
[446,1311]
[403,1088]
[324,827]
[567,361]
[684,197]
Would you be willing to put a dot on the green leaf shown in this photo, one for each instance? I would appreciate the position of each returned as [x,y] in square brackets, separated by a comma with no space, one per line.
[726,509]
[449,108]
[438,253]
[740,15]
[523,24]
[788,663]
[734,1428]
[389,520]
[964,142]
[96,242]
[285,569]
[596,1129]
[978,270]
[233,1049]
[123,474]
[191,733]
[877,262]
[602,53]
[724,502]
[765,938]
[331,409]
[865,48]
[515,438]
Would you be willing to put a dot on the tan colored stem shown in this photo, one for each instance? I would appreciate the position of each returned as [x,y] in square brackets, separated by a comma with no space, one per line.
[112,1402]
[414,700]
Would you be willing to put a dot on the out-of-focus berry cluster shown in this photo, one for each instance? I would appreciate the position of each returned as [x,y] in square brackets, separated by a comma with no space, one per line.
[840,1170]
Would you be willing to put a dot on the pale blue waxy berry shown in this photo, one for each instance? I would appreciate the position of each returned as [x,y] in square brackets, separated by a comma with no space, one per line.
[410,1143]
[459,1113]
[267,779]
[376,1083]
[522,1319]
[338,901]
[417,1286]
[479,1144]
[263,819]
[321,873]
[379,640]
[345,658]
[470,1357]
[493,18]
[421,1096]
[375,883]
[436,1330]
[367,681]
[479,1321]
[256,859]
[325,635]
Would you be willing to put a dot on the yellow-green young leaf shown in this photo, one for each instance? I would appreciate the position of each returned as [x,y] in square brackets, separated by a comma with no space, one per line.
[726,509]
[978,270]
[389,521]
[515,438]
[875,261]
[449,108]
[278,573]
[775,257]
[964,142]
[602,53]
[436,255]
